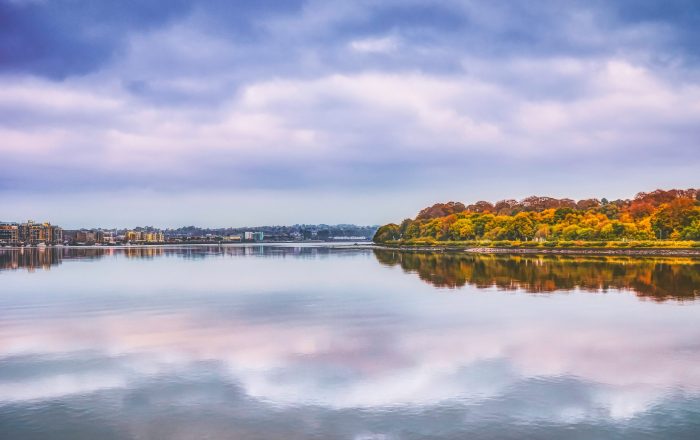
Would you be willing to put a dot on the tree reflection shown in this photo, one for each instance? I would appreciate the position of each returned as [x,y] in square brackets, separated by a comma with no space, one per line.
[656,278]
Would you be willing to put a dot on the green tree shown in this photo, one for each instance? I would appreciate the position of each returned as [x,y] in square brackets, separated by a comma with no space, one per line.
[462,229]
[387,233]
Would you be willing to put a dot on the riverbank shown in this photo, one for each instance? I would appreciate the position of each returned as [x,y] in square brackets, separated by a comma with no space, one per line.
[644,251]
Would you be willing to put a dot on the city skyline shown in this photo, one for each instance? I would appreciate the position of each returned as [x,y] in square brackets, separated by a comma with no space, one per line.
[31,233]
[172,113]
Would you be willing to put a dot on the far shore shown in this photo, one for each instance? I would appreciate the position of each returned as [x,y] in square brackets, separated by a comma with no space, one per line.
[338,243]
[650,251]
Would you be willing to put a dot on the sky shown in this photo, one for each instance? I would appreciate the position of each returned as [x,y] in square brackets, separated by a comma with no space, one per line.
[234,113]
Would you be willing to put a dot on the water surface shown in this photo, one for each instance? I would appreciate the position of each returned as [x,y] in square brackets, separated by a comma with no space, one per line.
[307,342]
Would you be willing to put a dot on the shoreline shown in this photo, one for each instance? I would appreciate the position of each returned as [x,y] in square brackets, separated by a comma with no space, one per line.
[671,252]
[329,244]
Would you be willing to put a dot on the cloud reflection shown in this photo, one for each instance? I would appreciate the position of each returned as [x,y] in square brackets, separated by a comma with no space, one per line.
[354,337]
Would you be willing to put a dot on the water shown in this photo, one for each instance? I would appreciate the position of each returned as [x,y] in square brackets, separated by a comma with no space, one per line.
[305,342]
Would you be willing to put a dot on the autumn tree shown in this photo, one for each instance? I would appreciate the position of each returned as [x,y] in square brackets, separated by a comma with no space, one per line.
[659,214]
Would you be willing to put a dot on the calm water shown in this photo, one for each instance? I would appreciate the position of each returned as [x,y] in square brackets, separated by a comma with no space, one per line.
[291,342]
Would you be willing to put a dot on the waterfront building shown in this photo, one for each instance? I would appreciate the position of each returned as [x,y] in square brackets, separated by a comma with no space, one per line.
[152,237]
[69,235]
[9,233]
[35,233]
[258,236]
[87,237]
[105,237]
[132,236]
[57,234]
[144,236]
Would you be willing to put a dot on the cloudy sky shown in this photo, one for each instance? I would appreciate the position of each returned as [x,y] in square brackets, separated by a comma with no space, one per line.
[220,113]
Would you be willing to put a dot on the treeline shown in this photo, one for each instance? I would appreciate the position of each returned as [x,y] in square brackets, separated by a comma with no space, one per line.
[320,231]
[658,215]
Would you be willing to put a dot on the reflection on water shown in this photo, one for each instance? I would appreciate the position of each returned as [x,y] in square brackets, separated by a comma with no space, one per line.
[299,342]
[43,258]
[657,278]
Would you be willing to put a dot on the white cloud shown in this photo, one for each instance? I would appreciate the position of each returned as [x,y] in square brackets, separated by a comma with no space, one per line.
[338,117]
[375,45]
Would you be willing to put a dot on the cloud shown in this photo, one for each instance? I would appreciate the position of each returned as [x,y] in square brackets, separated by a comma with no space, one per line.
[343,96]
[376,45]
[353,119]
[60,38]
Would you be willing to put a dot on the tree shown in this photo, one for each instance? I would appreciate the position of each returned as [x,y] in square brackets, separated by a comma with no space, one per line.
[660,214]
[462,229]
[387,233]
[481,206]
[506,207]
[587,204]
[440,210]
[674,216]
[405,224]
[639,209]
[523,227]
[561,213]
[692,231]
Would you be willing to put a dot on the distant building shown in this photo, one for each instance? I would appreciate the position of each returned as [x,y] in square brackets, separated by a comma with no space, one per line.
[132,236]
[69,235]
[144,236]
[35,233]
[105,237]
[253,236]
[87,237]
[9,233]
[57,234]
[298,236]
[234,238]
[152,237]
